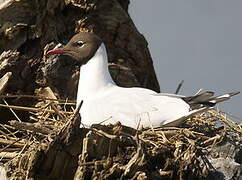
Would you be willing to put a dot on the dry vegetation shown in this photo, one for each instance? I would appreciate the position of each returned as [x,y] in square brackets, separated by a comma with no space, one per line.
[51,145]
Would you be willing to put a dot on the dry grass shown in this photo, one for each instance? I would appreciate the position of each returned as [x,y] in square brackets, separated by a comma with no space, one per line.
[160,152]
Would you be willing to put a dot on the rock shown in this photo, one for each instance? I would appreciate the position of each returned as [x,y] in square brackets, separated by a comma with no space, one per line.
[223,160]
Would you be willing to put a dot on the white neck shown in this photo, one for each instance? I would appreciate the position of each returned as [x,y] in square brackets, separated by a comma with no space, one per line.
[94,75]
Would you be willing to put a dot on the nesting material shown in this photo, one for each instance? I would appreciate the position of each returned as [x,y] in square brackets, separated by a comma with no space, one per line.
[51,144]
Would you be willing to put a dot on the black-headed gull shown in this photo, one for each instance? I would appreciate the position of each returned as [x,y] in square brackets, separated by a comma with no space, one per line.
[105,102]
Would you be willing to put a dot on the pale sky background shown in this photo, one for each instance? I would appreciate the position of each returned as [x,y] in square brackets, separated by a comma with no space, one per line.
[198,41]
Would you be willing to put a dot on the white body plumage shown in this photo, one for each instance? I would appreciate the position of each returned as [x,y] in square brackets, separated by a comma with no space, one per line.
[104,101]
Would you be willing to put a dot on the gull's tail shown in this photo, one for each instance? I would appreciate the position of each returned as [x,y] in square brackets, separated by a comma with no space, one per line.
[200,102]
[206,99]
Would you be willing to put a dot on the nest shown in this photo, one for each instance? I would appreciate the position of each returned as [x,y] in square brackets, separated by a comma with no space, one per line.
[50,145]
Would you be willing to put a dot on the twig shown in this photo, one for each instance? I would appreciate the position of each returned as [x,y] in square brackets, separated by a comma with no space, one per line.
[104,134]
[10,133]
[76,112]
[34,127]
[37,97]
[27,144]
[94,162]
[11,143]
[62,116]
[12,149]
[2,154]
[179,87]
[32,109]
[8,155]
[12,111]
[212,139]
[71,120]
[4,81]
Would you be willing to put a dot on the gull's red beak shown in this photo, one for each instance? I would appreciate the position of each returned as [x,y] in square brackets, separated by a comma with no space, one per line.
[55,51]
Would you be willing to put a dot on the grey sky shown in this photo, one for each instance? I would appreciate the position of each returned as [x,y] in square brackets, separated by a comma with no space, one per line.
[199,42]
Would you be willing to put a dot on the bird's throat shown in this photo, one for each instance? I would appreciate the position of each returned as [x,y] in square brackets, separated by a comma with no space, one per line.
[94,75]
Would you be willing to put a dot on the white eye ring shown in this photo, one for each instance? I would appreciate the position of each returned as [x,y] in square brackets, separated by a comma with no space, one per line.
[80,43]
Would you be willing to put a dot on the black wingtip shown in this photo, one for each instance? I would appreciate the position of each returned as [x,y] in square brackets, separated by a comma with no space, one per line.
[234,93]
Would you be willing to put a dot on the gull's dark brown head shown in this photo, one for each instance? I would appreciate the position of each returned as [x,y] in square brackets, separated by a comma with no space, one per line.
[81,47]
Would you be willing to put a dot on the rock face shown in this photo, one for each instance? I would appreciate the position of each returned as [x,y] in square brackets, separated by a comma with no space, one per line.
[28,26]
[224,160]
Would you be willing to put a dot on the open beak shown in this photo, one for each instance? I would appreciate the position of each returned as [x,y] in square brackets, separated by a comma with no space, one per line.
[55,51]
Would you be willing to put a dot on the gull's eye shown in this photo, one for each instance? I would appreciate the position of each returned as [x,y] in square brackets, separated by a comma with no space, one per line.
[79,43]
